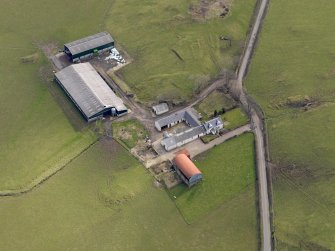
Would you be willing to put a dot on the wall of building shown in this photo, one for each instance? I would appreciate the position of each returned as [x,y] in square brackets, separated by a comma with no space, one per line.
[90,52]
[195,179]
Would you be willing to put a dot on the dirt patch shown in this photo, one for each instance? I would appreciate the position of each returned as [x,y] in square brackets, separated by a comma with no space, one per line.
[292,171]
[171,179]
[143,151]
[165,173]
[49,49]
[30,58]
[207,9]
[100,62]
[298,102]
[123,134]
[161,168]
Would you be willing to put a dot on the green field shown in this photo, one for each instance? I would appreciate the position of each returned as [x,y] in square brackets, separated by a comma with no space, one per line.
[216,101]
[105,200]
[173,54]
[294,65]
[35,133]
[234,118]
[228,170]
[129,132]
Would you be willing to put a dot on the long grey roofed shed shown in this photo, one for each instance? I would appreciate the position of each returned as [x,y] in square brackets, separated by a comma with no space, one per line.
[88,90]
[178,139]
[90,42]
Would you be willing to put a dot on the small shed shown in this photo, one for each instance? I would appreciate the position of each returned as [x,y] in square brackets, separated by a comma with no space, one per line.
[186,169]
[160,108]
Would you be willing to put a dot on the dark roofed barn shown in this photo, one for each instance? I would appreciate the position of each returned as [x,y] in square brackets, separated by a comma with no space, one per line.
[89,92]
[189,115]
[87,46]
[186,169]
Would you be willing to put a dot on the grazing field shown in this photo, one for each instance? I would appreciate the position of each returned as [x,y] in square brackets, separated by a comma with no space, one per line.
[35,134]
[292,76]
[105,200]
[216,101]
[130,132]
[176,54]
[228,170]
[234,118]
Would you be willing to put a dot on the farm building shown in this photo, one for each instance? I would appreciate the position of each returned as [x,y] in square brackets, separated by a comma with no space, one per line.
[89,92]
[160,108]
[88,46]
[186,169]
[213,126]
[189,116]
[171,142]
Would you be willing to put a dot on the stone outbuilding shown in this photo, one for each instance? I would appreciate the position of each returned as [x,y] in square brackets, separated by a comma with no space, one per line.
[160,108]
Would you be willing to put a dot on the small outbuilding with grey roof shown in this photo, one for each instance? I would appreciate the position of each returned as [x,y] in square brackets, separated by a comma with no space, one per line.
[89,92]
[160,108]
[87,46]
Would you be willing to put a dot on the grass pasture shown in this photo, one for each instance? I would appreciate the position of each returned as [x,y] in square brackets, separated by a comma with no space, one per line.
[295,58]
[35,135]
[175,55]
[234,118]
[215,101]
[105,200]
[228,171]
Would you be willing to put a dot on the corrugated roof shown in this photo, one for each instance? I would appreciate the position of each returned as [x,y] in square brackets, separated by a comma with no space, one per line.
[161,108]
[89,43]
[191,117]
[185,165]
[181,137]
[88,89]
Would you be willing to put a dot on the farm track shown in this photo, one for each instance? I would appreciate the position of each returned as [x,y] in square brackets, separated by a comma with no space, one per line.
[257,121]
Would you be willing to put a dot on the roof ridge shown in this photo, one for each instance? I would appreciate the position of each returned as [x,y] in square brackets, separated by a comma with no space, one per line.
[86,83]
